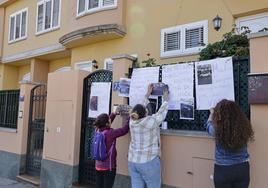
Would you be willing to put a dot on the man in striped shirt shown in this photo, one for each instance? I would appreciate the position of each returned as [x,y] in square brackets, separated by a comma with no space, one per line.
[144,149]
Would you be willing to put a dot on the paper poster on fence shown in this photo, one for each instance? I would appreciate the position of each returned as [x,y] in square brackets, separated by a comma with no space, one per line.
[99,101]
[180,81]
[214,81]
[141,78]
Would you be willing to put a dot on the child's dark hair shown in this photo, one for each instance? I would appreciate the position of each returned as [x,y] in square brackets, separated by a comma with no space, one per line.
[138,112]
[101,121]
[232,128]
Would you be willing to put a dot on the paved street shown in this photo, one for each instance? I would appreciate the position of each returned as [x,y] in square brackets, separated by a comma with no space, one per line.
[6,183]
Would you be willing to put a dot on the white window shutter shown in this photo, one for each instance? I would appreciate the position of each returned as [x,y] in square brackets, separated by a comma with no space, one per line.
[255,23]
[171,41]
[108,2]
[194,37]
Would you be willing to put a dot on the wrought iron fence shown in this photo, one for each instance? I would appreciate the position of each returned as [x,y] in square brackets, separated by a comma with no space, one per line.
[9,105]
[240,71]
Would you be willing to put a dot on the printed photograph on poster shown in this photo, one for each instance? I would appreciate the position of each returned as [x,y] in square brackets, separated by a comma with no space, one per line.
[116,86]
[159,88]
[93,104]
[187,108]
[124,85]
[99,99]
[204,74]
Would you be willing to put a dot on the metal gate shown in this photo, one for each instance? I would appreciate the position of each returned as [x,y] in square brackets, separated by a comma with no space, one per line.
[36,129]
[87,164]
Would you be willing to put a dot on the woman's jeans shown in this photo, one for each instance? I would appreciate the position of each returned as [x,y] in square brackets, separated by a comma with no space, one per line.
[145,173]
[231,176]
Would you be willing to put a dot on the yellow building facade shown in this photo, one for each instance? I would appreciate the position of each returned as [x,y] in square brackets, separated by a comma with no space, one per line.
[39,38]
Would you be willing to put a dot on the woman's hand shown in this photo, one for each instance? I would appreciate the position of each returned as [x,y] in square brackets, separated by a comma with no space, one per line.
[117,110]
[149,90]
[211,110]
[166,95]
[211,114]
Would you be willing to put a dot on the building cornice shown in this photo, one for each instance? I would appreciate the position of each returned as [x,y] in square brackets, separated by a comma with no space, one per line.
[33,53]
[113,30]
[4,3]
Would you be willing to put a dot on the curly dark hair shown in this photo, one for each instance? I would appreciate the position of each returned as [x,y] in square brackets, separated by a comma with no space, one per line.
[233,130]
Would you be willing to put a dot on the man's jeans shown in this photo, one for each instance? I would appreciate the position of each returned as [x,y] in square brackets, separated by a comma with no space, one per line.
[149,173]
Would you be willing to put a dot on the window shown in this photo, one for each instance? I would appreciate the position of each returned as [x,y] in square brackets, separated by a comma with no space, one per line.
[255,23]
[108,64]
[18,25]
[85,65]
[48,15]
[87,6]
[184,39]
[63,69]
[27,77]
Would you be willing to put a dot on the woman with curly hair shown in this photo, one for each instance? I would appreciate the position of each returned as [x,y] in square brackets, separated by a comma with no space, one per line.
[232,131]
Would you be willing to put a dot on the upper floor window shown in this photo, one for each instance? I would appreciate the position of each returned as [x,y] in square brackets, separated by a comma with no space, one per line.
[108,64]
[184,39]
[87,6]
[85,65]
[255,23]
[48,15]
[18,25]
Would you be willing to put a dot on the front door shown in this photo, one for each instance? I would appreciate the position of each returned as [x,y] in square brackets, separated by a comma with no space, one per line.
[36,130]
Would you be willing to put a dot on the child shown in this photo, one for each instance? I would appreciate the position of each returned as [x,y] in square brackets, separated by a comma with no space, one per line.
[232,131]
[106,170]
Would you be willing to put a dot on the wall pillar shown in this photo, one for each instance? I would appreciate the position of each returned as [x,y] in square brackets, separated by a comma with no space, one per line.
[258,150]
[39,71]
[10,77]
[62,129]
[121,65]
[13,145]
[2,24]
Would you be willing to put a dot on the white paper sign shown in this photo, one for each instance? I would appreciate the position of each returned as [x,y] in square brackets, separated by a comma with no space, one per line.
[180,81]
[214,81]
[140,80]
[99,101]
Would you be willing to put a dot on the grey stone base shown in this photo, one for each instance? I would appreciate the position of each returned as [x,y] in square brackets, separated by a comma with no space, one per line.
[122,181]
[57,175]
[11,164]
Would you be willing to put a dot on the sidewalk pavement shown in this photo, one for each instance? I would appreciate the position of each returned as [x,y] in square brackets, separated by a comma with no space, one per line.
[7,183]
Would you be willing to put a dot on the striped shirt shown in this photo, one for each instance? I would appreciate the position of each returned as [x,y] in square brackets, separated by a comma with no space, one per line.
[145,136]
